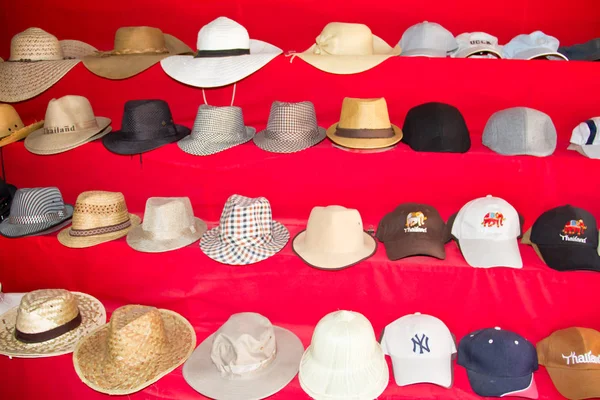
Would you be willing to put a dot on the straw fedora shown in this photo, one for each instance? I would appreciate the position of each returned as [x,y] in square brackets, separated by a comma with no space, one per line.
[136,49]
[225,55]
[7,193]
[99,217]
[48,323]
[246,359]
[135,349]
[344,48]
[37,61]
[70,122]
[364,124]
[334,239]
[12,128]
[344,360]
[169,224]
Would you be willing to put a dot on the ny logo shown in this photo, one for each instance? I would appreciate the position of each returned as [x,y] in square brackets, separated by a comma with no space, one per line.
[422,342]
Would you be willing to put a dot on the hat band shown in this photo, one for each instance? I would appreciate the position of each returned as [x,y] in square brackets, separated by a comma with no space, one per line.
[127,52]
[365,133]
[221,53]
[36,219]
[100,231]
[48,335]
[49,130]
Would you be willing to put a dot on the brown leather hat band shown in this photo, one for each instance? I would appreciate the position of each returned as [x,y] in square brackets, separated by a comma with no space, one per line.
[48,335]
[365,133]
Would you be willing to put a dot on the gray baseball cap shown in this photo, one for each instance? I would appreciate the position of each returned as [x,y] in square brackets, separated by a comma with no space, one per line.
[520,131]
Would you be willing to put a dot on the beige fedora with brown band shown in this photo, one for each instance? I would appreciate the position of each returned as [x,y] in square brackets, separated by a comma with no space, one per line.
[136,49]
[98,217]
[12,128]
[364,124]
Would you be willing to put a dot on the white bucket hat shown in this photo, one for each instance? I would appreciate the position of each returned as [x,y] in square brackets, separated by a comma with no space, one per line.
[225,55]
[246,359]
[344,360]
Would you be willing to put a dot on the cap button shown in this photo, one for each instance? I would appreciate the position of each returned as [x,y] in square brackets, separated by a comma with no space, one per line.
[417,313]
[489,195]
[497,328]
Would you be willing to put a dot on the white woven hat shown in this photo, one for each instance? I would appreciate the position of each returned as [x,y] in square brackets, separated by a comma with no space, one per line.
[246,359]
[225,55]
[477,45]
[344,360]
[427,39]
[37,61]
[585,138]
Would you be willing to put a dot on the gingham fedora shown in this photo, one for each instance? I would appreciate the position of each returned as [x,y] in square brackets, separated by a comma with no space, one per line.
[246,234]
[216,129]
[292,127]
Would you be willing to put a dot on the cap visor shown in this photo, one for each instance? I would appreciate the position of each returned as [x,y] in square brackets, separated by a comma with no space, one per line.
[589,151]
[437,371]
[398,249]
[491,253]
[576,383]
[530,54]
[424,53]
[570,257]
[470,51]
[494,386]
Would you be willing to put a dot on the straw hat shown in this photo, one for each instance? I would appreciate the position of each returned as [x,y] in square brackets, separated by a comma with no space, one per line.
[12,128]
[246,359]
[169,224]
[99,217]
[334,239]
[136,348]
[225,55]
[37,61]
[344,48]
[70,122]
[136,49]
[344,360]
[364,124]
[48,323]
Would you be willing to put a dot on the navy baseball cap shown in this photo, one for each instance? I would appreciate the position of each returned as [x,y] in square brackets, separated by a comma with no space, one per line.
[499,363]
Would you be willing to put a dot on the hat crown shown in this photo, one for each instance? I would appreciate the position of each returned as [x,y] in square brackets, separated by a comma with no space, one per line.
[35,44]
[219,124]
[29,202]
[167,217]
[69,114]
[428,35]
[139,40]
[99,209]
[409,219]
[10,121]
[223,34]
[46,309]
[246,221]
[146,118]
[555,225]
[292,121]
[489,218]
[573,348]
[334,230]
[364,114]
[344,39]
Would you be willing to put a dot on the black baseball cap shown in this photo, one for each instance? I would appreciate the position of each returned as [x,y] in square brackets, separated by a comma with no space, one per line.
[436,127]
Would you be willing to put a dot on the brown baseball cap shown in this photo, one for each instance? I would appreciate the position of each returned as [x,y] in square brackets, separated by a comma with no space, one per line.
[572,358]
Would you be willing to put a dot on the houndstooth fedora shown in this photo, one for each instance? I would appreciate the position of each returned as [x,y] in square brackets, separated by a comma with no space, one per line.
[247,233]
[292,127]
[216,129]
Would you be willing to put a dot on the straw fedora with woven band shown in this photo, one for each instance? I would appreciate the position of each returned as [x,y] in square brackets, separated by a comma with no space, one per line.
[225,55]
[169,224]
[48,323]
[292,127]
[216,129]
[70,122]
[36,211]
[135,349]
[37,61]
[246,359]
[364,124]
[344,360]
[99,217]
[7,194]
[344,48]
[247,233]
[146,125]
[136,49]
[12,128]
[334,239]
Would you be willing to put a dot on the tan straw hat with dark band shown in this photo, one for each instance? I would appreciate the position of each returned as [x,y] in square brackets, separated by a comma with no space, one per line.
[49,322]
[12,128]
[139,346]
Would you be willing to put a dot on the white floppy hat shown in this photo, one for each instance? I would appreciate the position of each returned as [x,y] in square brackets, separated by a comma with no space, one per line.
[225,55]
[585,139]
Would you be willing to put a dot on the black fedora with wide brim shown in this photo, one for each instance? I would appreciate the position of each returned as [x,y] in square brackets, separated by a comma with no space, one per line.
[119,143]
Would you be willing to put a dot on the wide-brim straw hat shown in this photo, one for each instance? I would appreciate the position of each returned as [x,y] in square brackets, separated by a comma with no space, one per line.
[80,242]
[362,143]
[21,133]
[43,144]
[92,314]
[144,241]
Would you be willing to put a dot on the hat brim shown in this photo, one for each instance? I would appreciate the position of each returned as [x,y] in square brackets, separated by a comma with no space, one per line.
[80,242]
[199,147]
[202,375]
[406,247]
[89,358]
[570,257]
[333,261]
[437,371]
[590,151]
[21,133]
[207,72]
[480,253]
[116,143]
[530,54]
[141,240]
[42,228]
[364,143]
[92,313]
[495,386]
[288,146]
[471,50]
[576,384]
[431,53]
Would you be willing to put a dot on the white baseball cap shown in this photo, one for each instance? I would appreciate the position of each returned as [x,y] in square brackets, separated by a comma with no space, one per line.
[534,45]
[427,39]
[487,230]
[585,138]
[421,348]
[477,45]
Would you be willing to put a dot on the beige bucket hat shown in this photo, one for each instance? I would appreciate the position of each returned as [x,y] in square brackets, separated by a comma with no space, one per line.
[334,239]
[37,61]
[136,49]
[70,122]
[99,217]
[12,128]
[344,48]
[48,323]
[344,360]
[246,359]
[136,348]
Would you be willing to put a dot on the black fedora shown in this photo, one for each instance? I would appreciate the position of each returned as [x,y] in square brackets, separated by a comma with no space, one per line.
[7,193]
[146,125]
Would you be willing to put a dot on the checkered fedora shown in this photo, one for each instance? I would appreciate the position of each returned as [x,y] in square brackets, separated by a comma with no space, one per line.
[247,233]
[292,127]
[216,129]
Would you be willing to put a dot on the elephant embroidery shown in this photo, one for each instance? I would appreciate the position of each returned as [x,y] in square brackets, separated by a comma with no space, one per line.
[415,219]
[574,227]
[493,219]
